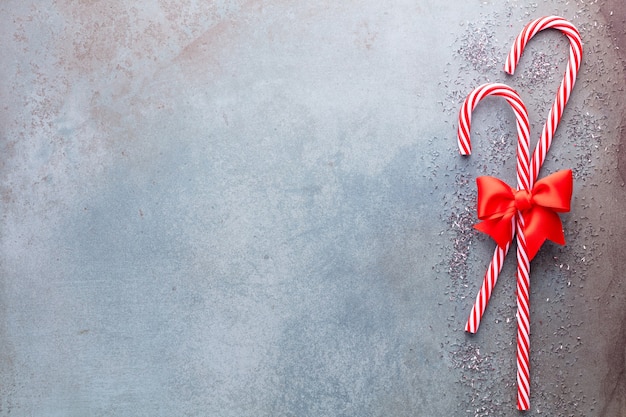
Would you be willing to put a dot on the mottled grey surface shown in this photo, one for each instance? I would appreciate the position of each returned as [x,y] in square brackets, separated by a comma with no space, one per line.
[257,209]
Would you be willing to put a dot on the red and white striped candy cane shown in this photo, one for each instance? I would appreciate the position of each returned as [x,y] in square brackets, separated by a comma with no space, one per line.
[523,263]
[565,89]
[539,156]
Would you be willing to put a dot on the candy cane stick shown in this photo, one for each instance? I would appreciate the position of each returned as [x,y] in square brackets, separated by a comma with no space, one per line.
[565,89]
[523,318]
[547,134]
[523,262]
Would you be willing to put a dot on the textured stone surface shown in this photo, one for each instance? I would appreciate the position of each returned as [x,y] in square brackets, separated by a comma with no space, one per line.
[257,209]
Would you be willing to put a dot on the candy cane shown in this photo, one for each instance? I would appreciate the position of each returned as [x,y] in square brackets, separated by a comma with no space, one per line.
[523,262]
[565,89]
[541,150]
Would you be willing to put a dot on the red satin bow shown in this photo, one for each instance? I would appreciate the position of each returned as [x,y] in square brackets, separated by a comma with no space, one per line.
[498,202]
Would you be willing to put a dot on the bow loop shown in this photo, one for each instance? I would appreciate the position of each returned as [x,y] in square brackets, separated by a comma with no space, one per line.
[555,191]
[498,203]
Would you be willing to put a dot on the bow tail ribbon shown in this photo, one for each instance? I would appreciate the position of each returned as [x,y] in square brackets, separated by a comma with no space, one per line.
[498,203]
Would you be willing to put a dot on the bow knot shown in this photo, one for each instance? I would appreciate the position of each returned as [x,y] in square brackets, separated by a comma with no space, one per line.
[523,200]
[498,203]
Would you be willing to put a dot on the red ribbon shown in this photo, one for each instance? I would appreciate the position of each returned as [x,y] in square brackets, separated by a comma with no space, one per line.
[498,203]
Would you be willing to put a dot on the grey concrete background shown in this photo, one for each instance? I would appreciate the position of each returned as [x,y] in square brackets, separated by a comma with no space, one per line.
[248,208]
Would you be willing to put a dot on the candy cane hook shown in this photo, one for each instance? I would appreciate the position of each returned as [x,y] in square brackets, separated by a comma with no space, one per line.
[523,130]
[565,89]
